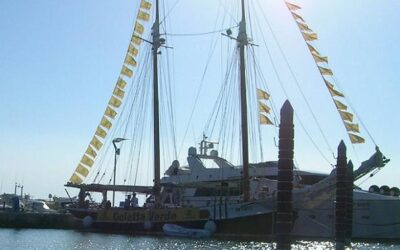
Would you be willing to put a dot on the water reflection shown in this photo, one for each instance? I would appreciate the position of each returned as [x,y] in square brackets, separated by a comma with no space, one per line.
[67,239]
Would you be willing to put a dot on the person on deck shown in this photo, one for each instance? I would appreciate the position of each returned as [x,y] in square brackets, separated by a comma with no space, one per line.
[134,201]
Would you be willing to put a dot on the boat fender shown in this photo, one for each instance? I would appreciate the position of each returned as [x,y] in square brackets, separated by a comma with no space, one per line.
[210,226]
[87,221]
[147,225]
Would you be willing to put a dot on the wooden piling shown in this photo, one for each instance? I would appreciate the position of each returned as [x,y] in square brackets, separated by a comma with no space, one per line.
[341,197]
[349,205]
[284,215]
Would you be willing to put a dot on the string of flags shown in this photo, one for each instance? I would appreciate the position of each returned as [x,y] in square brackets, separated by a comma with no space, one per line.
[321,61]
[263,108]
[127,70]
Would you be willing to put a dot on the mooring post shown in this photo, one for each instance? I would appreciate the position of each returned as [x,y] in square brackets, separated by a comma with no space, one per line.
[284,215]
[341,197]
[349,209]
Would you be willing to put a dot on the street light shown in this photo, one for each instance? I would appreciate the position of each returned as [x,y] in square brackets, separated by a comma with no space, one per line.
[117,152]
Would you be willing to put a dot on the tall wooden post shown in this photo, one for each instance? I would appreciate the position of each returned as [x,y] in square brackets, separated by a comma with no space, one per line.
[341,197]
[284,218]
[349,205]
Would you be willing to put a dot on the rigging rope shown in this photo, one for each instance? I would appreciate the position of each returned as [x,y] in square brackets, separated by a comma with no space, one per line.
[201,33]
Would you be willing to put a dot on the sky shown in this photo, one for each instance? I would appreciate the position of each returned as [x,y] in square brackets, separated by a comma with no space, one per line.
[59,61]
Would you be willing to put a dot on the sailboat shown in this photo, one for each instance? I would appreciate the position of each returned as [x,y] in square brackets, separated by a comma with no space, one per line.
[229,199]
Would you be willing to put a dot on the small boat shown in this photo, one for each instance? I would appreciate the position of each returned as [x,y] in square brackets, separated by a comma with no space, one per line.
[175,230]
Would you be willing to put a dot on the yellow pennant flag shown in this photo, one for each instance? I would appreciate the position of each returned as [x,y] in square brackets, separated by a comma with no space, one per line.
[75,179]
[346,116]
[126,71]
[139,28]
[136,40]
[340,105]
[319,58]
[101,132]
[121,83]
[115,102]
[130,60]
[133,50]
[90,151]
[334,92]
[265,120]
[325,71]
[145,5]
[87,161]
[119,92]
[110,112]
[303,26]
[352,127]
[297,17]
[263,107]
[312,49]
[292,6]
[96,143]
[82,170]
[310,36]
[143,16]
[105,123]
[261,94]
[356,139]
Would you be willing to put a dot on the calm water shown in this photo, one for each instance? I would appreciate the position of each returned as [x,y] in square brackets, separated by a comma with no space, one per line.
[67,239]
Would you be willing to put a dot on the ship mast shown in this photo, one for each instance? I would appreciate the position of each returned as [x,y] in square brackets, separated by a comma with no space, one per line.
[242,40]
[156,115]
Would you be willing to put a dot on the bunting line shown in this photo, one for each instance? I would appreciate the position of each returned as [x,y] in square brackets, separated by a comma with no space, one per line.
[309,37]
[130,62]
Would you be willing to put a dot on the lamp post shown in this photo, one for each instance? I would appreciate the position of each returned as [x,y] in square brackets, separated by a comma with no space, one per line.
[117,152]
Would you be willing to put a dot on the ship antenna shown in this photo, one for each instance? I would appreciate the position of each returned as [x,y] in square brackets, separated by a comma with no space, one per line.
[242,40]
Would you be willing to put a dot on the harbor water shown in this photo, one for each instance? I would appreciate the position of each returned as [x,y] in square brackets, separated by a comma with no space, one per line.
[69,239]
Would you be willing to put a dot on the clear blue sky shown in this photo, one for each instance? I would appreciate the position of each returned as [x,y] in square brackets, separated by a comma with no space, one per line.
[59,61]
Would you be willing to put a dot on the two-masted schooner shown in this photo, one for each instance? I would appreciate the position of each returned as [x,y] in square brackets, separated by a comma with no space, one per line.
[225,198]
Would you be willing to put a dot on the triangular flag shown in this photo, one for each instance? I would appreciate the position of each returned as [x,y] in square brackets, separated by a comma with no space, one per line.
[130,60]
[310,36]
[75,179]
[121,83]
[139,28]
[143,16]
[346,116]
[145,5]
[105,123]
[261,94]
[312,49]
[133,50]
[325,71]
[115,102]
[82,170]
[119,92]
[303,26]
[126,71]
[96,143]
[352,127]
[340,105]
[136,40]
[90,151]
[87,161]
[101,132]
[292,6]
[356,139]
[110,112]
[319,58]
[265,120]
[263,107]
[297,17]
